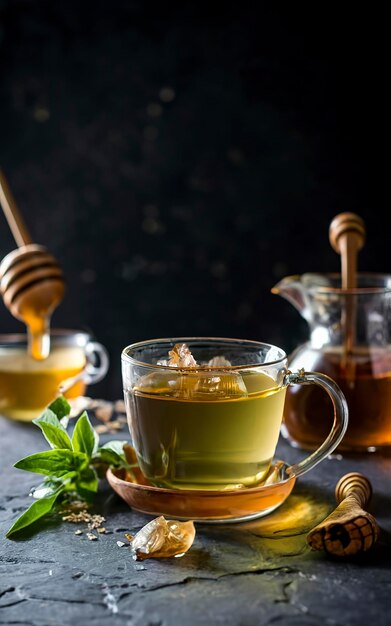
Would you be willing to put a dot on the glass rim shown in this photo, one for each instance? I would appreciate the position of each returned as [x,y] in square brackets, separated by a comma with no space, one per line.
[62,334]
[173,340]
[359,291]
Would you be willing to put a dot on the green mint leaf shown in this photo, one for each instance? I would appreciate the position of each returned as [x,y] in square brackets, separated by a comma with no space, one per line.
[86,495]
[60,407]
[88,481]
[110,458]
[53,462]
[67,481]
[46,488]
[55,435]
[38,509]
[84,438]
[49,418]
[112,453]
[115,446]
[64,421]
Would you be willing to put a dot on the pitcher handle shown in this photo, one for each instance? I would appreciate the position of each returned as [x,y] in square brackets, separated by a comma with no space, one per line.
[340,422]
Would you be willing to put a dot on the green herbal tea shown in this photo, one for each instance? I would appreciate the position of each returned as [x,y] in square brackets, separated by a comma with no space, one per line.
[205,430]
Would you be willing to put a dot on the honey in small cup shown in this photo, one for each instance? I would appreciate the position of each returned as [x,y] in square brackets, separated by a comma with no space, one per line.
[27,385]
[205,413]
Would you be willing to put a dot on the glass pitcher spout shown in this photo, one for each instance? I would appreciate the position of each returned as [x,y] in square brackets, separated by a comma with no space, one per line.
[299,291]
[291,289]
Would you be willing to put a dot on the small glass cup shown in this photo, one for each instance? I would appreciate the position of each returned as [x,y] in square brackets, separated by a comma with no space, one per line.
[27,386]
[215,425]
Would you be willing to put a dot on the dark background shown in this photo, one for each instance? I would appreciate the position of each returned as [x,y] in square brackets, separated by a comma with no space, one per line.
[178,159]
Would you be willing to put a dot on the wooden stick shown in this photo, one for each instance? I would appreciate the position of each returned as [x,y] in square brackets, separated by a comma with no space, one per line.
[11,211]
[349,529]
[347,236]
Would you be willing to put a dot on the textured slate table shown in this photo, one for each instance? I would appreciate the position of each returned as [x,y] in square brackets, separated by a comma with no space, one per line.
[256,573]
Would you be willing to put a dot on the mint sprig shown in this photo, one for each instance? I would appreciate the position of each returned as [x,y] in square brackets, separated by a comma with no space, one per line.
[71,466]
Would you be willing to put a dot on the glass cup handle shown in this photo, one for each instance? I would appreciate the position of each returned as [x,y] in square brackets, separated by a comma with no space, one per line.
[97,363]
[96,367]
[340,418]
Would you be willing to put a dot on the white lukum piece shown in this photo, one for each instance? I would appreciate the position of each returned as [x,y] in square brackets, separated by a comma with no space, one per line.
[162,538]
[197,385]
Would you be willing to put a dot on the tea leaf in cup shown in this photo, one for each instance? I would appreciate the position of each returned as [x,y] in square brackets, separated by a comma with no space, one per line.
[220,385]
[53,462]
[165,383]
[180,356]
[84,438]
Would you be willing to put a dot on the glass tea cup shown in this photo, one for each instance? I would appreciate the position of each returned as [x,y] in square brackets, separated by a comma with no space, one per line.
[27,386]
[214,425]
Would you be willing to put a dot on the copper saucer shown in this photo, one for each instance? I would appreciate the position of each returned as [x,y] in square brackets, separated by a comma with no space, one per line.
[210,506]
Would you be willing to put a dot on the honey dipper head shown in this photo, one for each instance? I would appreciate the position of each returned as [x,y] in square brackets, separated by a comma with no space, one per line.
[343,224]
[31,282]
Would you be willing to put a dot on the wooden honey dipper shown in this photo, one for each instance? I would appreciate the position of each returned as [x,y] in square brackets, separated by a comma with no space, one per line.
[349,529]
[347,237]
[31,281]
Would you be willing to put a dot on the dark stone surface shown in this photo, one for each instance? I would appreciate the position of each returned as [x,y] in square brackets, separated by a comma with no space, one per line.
[259,573]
